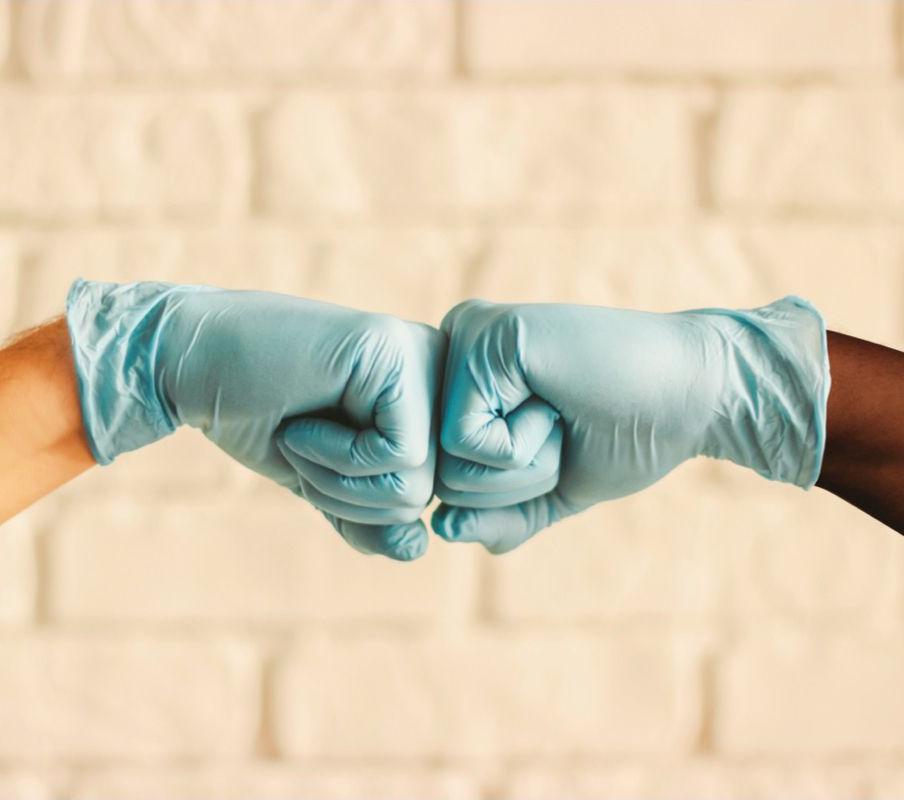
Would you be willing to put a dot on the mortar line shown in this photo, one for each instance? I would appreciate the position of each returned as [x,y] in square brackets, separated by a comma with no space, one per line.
[459,65]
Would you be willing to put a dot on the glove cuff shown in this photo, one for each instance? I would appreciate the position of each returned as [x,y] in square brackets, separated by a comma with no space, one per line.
[777,380]
[114,330]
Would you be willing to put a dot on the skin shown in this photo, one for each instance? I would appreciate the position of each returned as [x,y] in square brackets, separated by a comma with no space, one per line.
[43,445]
[864,456]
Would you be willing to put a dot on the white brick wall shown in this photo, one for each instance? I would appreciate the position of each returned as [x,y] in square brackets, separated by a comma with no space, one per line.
[806,694]
[175,627]
[835,151]
[120,157]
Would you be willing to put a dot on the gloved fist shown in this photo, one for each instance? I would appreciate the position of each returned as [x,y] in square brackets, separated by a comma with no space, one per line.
[549,409]
[337,405]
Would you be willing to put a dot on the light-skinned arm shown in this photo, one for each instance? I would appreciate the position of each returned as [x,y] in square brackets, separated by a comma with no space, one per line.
[42,441]
[337,405]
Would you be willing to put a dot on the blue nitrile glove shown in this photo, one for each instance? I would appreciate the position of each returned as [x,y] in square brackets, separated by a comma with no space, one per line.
[549,409]
[338,405]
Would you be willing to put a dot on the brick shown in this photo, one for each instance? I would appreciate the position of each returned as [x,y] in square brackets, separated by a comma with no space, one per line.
[18,568]
[808,151]
[770,38]
[703,780]
[411,272]
[648,266]
[852,273]
[120,157]
[225,557]
[490,696]
[548,153]
[303,40]
[795,693]
[273,782]
[137,698]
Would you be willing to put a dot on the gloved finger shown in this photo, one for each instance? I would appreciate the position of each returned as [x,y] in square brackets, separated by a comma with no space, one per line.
[403,542]
[390,490]
[406,412]
[475,432]
[342,449]
[496,499]
[499,529]
[490,413]
[402,409]
[364,514]
[459,475]
[459,313]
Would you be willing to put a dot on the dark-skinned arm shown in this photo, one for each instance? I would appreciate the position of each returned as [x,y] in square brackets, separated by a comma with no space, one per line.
[864,456]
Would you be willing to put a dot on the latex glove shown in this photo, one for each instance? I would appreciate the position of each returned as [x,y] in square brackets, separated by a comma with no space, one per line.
[335,404]
[634,394]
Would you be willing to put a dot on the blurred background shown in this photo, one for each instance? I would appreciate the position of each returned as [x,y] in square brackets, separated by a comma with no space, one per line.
[175,627]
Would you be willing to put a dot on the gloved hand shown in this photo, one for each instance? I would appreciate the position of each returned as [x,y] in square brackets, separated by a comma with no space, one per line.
[335,404]
[549,409]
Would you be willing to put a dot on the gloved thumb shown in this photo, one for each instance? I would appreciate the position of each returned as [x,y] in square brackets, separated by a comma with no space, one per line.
[499,529]
[403,542]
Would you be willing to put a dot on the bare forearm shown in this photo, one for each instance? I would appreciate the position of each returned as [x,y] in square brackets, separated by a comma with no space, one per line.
[864,457]
[42,444]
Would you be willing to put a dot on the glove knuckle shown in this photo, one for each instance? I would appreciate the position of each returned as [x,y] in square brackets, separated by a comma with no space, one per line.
[412,455]
[451,442]
[411,490]
[388,328]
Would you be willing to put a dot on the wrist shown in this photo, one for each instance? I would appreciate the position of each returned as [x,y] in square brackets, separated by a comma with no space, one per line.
[770,407]
[115,332]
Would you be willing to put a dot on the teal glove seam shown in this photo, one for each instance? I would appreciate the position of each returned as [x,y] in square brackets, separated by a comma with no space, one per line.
[100,361]
[820,416]
[796,402]
[806,372]
[81,373]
